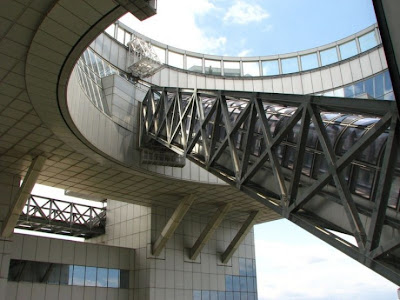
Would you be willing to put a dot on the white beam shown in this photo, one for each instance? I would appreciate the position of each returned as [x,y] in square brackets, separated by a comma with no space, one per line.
[243,231]
[172,224]
[23,193]
[209,230]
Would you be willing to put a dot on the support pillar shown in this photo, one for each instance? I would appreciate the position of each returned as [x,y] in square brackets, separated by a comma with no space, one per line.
[209,230]
[172,224]
[237,240]
[22,195]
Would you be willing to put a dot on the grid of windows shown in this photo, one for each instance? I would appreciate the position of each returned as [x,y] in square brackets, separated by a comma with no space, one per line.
[237,287]
[269,67]
[63,274]
[91,68]
[378,86]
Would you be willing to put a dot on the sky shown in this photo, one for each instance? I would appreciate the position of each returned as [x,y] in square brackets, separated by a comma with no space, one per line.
[291,263]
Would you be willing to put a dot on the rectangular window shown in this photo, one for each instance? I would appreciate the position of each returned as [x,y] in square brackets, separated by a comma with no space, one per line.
[212,67]
[90,276]
[111,30]
[348,49]
[160,53]
[113,278]
[289,65]
[328,56]
[236,283]
[367,41]
[270,67]
[309,61]
[102,277]
[120,35]
[251,68]
[228,283]
[194,64]
[78,275]
[175,59]
[231,68]
[378,82]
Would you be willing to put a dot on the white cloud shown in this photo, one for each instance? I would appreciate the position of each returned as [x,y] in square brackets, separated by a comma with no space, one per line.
[244,13]
[175,25]
[244,53]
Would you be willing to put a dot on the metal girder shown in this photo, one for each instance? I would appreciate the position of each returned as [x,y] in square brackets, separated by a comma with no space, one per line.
[298,155]
[207,232]
[240,235]
[172,224]
[23,193]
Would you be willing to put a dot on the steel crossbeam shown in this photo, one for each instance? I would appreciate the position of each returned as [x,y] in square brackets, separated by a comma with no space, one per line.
[62,217]
[262,143]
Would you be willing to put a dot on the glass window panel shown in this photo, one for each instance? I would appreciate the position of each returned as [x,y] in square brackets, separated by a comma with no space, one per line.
[228,283]
[113,278]
[378,82]
[213,295]
[110,30]
[270,67]
[369,87]
[251,296]
[367,41]
[231,68]
[128,37]
[196,295]
[348,49]
[358,88]
[242,266]
[54,276]
[243,283]
[250,284]
[309,61]
[243,296]
[339,92]
[236,283]
[120,35]
[16,266]
[194,64]
[90,276]
[328,56]
[221,296]
[124,279]
[236,296]
[389,96]
[349,91]
[160,53]
[212,67]
[289,65]
[388,82]
[175,59]
[249,267]
[229,296]
[251,68]
[102,277]
[205,295]
[78,275]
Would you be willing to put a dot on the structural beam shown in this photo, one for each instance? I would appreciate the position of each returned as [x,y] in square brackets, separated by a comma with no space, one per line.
[23,194]
[172,224]
[209,230]
[243,231]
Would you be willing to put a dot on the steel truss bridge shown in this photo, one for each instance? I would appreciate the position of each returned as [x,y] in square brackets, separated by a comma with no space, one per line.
[330,165]
[61,217]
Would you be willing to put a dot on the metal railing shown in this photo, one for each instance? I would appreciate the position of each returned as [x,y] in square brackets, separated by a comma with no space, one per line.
[62,217]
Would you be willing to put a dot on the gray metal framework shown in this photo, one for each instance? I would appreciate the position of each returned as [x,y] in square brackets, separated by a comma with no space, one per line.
[327,164]
[62,217]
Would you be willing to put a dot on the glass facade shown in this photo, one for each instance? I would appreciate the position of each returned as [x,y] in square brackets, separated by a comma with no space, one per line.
[62,274]
[242,286]
[269,67]
[378,87]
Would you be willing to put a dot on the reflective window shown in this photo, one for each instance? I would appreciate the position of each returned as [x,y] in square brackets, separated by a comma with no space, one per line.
[196,295]
[236,283]
[328,56]
[102,277]
[367,41]
[63,274]
[251,69]
[231,68]
[228,283]
[160,53]
[348,49]
[205,295]
[194,64]
[113,278]
[212,67]
[175,59]
[120,35]
[270,67]
[289,65]
[309,61]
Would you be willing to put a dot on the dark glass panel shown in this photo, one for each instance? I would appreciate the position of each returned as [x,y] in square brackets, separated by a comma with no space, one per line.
[124,279]
[54,276]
